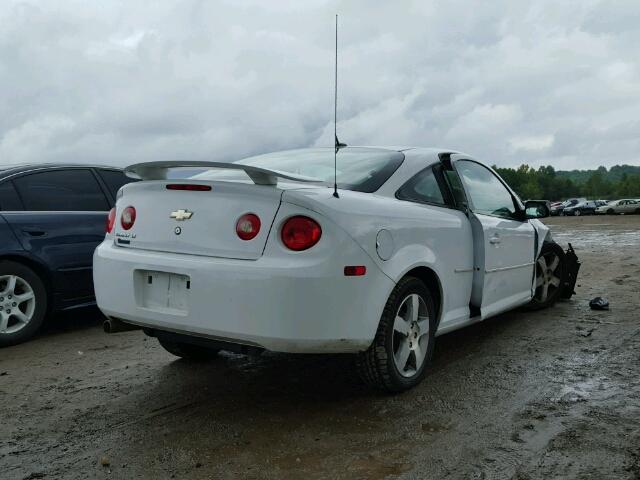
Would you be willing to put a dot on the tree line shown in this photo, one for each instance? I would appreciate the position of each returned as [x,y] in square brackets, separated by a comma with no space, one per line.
[621,181]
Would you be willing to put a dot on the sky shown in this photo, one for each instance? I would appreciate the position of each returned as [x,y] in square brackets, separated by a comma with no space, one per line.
[508,81]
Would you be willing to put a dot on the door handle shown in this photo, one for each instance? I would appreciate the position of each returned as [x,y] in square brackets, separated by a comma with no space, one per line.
[35,233]
[495,239]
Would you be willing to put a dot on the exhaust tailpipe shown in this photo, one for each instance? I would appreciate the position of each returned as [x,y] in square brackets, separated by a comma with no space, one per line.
[113,325]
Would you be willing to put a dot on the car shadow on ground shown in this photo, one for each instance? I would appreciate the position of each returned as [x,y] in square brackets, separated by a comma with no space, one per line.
[300,378]
[71,320]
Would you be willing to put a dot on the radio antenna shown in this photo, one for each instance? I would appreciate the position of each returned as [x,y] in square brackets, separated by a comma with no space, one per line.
[337,144]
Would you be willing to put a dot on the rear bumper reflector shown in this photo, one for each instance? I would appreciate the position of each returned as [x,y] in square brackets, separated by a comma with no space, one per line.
[355,270]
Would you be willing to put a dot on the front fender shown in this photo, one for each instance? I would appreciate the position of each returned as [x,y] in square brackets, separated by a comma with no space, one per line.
[544,234]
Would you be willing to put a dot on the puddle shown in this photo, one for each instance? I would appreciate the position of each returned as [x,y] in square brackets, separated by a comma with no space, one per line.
[596,240]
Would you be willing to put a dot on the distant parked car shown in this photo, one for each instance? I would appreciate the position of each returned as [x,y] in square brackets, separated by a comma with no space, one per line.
[556,204]
[582,208]
[52,217]
[559,209]
[620,206]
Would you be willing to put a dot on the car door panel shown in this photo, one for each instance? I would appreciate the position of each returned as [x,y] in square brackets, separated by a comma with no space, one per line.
[504,268]
[504,248]
[62,222]
[9,244]
[64,241]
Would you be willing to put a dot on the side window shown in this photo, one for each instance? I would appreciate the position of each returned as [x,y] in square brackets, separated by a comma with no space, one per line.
[423,187]
[488,195]
[114,179]
[9,200]
[61,190]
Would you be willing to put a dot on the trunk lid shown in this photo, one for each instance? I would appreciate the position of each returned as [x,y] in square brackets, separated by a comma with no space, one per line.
[203,223]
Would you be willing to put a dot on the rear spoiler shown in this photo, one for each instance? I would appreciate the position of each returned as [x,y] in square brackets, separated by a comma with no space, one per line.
[260,176]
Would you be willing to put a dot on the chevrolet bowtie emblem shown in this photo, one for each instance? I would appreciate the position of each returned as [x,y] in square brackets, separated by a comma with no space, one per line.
[181,215]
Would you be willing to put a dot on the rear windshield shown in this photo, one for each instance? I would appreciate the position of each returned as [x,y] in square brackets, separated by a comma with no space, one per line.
[360,169]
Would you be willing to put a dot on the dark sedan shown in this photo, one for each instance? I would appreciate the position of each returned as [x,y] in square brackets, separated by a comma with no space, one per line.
[584,208]
[52,217]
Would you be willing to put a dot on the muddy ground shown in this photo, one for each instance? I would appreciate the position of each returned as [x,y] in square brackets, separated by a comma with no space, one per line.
[552,394]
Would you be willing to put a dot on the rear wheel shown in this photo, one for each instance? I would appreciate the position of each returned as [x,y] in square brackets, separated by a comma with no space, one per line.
[188,351]
[23,303]
[550,275]
[403,346]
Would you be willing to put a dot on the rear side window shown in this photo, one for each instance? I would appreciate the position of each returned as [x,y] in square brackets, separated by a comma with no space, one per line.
[114,180]
[61,190]
[423,188]
[9,199]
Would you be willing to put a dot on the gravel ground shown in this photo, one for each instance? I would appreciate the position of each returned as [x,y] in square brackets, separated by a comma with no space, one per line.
[550,394]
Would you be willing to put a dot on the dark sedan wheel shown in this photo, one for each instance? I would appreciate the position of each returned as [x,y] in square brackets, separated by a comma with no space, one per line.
[23,303]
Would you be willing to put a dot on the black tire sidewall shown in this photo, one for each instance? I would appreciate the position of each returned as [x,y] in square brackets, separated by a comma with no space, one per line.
[14,268]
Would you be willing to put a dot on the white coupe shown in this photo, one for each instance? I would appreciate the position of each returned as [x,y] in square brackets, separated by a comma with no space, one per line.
[261,254]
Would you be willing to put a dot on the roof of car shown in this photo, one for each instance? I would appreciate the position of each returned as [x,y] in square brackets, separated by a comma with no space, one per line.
[12,169]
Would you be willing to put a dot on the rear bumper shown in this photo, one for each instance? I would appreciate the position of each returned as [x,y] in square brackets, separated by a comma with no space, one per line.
[305,305]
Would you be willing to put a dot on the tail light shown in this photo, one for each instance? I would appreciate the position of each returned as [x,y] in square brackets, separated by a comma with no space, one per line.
[128,218]
[300,233]
[248,226]
[111,220]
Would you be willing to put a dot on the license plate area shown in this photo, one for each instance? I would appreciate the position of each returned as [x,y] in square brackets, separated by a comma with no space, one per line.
[163,291]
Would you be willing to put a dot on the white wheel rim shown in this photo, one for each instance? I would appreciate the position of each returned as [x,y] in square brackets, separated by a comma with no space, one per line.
[547,276]
[17,303]
[410,335]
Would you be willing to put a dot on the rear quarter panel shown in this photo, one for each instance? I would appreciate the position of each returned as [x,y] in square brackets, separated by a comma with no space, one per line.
[422,236]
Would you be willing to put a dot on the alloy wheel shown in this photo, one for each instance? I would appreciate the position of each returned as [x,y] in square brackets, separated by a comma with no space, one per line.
[17,303]
[547,275]
[410,335]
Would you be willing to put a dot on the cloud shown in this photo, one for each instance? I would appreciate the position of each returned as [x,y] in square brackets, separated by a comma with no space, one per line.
[511,82]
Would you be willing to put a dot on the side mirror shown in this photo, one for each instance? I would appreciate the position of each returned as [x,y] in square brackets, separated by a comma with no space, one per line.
[536,208]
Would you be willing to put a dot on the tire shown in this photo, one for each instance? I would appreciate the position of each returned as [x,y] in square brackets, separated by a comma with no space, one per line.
[188,351]
[554,278]
[577,213]
[611,211]
[23,300]
[637,211]
[378,365]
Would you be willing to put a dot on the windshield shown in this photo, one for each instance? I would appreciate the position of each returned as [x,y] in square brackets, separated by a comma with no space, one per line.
[358,168]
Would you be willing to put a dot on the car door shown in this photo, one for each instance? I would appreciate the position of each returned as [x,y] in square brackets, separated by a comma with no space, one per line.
[62,222]
[504,241]
[627,206]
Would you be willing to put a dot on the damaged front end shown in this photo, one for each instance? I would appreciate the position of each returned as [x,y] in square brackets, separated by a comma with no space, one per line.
[572,266]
